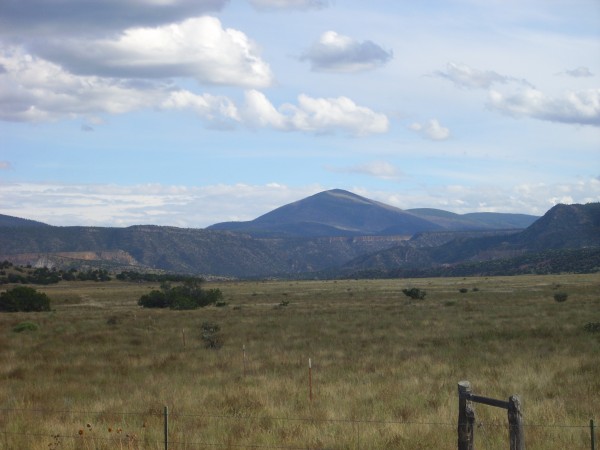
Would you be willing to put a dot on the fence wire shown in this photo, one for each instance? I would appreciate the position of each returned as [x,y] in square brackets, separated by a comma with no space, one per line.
[188,431]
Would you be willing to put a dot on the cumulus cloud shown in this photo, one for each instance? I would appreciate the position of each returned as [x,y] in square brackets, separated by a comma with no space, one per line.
[314,115]
[579,72]
[575,107]
[274,5]
[36,90]
[431,130]
[377,169]
[467,77]
[260,112]
[212,108]
[334,52]
[199,48]
[309,115]
[328,114]
[90,17]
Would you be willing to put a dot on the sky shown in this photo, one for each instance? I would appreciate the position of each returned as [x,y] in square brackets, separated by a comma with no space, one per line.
[191,112]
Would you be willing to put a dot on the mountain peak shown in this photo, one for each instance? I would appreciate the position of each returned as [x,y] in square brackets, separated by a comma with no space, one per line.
[335,212]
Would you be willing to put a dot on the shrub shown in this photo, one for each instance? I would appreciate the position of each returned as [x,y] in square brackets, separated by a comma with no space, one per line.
[23,298]
[155,299]
[25,326]
[561,297]
[463,290]
[186,296]
[592,327]
[415,293]
[112,320]
[210,335]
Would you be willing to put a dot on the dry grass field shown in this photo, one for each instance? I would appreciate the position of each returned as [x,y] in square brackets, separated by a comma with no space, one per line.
[99,370]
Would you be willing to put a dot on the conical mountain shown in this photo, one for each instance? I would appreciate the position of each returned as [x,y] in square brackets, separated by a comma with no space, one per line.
[333,213]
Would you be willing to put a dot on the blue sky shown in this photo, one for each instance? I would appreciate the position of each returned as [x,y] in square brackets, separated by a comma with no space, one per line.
[192,112]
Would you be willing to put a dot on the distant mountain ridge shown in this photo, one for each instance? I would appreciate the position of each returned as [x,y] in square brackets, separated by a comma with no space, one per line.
[341,213]
[563,227]
[331,234]
[10,221]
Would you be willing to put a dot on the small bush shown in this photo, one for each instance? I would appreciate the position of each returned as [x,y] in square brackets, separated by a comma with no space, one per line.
[463,290]
[23,298]
[592,327]
[415,293]
[112,320]
[561,297]
[187,296]
[25,326]
[210,335]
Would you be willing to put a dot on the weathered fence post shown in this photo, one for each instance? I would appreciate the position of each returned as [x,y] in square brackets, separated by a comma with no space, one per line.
[515,424]
[466,417]
[310,395]
[166,417]
[592,434]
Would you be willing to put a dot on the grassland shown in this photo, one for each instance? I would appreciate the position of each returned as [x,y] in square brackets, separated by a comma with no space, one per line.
[99,370]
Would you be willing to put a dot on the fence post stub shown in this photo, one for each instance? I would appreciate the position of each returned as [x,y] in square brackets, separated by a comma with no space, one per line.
[466,417]
[515,424]
[166,419]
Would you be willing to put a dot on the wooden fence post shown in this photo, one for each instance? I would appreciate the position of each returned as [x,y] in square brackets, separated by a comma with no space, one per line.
[466,417]
[166,419]
[592,434]
[515,424]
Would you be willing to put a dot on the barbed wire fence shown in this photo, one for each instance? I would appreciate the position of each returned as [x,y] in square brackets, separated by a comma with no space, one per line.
[161,430]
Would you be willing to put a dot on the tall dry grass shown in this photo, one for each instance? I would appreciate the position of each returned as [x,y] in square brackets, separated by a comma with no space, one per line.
[99,370]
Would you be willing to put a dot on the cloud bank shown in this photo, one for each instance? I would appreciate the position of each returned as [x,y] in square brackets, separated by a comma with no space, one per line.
[578,107]
[36,90]
[198,207]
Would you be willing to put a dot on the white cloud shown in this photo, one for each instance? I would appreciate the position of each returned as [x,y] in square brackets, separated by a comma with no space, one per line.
[580,107]
[534,199]
[579,72]
[259,111]
[198,48]
[210,107]
[114,205]
[334,52]
[35,90]
[431,130]
[314,115]
[289,4]
[377,169]
[464,76]
[323,115]
[310,115]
